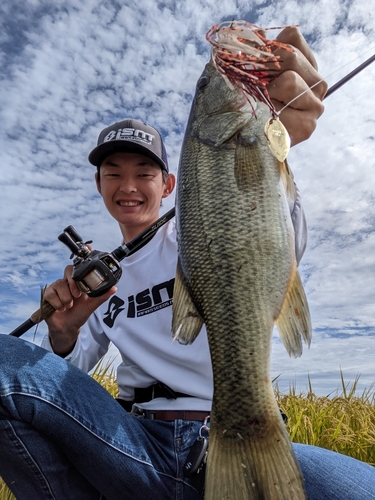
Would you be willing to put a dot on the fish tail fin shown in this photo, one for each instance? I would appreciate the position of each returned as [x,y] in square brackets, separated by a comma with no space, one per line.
[260,468]
[294,318]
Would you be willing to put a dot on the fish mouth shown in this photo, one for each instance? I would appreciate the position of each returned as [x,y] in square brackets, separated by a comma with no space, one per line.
[239,100]
[248,107]
[241,104]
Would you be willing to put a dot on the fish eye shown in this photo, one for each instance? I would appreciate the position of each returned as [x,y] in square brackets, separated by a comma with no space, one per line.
[203,81]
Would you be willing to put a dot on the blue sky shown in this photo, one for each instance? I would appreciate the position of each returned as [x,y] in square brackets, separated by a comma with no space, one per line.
[70,68]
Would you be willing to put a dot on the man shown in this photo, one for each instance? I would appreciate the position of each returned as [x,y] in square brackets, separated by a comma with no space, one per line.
[61,434]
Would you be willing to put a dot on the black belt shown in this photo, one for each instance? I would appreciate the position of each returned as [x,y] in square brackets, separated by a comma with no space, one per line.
[171,415]
[145,394]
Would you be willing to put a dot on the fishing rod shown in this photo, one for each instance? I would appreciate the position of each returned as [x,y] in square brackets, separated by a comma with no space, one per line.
[96,272]
[349,76]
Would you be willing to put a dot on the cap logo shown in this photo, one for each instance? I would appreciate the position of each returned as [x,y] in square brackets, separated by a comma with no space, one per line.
[129,134]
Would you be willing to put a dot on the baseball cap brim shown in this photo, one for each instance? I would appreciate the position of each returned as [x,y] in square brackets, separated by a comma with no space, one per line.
[101,152]
[127,136]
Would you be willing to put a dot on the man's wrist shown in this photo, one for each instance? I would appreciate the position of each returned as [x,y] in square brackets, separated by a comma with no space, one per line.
[62,344]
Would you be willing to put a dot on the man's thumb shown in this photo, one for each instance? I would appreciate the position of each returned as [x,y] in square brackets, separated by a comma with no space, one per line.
[95,302]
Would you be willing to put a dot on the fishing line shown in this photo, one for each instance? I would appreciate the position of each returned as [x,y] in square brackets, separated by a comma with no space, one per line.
[278,113]
[337,84]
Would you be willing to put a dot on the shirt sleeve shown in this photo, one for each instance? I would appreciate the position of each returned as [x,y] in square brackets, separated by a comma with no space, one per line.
[300,225]
[92,343]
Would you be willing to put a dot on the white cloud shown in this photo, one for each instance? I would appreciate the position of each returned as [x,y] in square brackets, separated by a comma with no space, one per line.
[72,67]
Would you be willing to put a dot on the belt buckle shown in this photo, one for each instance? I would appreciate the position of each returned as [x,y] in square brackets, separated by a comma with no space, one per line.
[141,413]
[138,412]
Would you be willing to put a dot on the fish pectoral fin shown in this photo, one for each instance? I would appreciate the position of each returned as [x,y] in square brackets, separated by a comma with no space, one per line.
[294,319]
[186,320]
[248,164]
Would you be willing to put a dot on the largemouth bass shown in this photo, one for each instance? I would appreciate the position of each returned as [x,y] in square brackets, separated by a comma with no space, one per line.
[237,273]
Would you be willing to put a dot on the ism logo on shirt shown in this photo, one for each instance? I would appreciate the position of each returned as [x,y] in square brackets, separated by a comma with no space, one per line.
[145,302]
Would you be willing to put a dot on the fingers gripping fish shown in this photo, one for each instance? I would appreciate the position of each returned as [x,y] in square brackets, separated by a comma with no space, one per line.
[237,268]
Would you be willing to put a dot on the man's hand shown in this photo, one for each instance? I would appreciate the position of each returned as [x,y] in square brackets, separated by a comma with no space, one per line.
[73,308]
[299,73]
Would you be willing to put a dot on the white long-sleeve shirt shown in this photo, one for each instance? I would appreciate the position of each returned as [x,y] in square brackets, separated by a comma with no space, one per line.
[137,320]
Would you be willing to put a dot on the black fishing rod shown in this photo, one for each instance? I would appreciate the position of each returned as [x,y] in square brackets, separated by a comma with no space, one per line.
[94,272]
[349,76]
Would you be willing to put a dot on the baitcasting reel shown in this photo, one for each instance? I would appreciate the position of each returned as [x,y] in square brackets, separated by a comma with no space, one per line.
[95,272]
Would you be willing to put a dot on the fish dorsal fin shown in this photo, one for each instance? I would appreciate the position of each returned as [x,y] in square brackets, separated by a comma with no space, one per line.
[294,320]
[186,321]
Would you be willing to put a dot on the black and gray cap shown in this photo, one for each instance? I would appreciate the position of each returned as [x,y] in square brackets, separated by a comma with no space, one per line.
[130,136]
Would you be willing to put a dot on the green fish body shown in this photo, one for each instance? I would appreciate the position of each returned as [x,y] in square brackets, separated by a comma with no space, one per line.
[237,273]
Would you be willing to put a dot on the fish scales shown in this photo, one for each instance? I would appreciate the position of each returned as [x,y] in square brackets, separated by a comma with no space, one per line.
[236,267]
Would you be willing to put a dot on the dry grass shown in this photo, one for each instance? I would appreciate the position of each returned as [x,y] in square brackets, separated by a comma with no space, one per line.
[5,493]
[343,422]
[105,375]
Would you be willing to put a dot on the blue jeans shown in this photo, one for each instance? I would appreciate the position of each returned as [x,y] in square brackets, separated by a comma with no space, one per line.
[62,436]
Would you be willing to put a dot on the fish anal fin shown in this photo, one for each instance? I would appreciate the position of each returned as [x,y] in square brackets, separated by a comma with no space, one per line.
[186,320]
[294,319]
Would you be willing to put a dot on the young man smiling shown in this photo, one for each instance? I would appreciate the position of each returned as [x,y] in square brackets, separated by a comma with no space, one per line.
[131,177]
[62,436]
[131,186]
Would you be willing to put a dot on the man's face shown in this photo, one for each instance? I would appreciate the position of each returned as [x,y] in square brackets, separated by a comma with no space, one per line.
[132,188]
